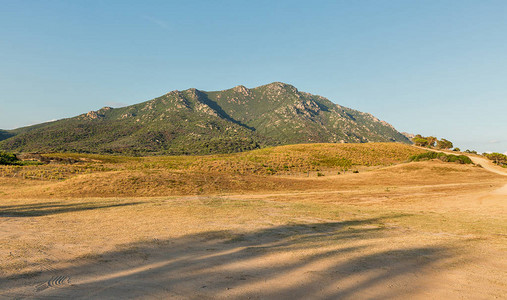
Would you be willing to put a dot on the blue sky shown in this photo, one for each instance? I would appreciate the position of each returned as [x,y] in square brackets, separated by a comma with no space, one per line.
[430,67]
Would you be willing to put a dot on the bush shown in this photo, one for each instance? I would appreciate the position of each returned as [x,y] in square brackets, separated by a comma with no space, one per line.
[462,159]
[497,158]
[8,158]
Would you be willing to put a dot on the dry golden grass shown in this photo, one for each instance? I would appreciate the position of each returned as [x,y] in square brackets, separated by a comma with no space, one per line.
[307,157]
[107,176]
[413,230]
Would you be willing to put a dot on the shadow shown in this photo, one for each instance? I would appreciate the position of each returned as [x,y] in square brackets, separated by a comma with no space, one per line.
[52,208]
[334,260]
[5,134]
[206,100]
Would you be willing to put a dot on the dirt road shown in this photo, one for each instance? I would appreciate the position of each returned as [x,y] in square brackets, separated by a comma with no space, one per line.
[484,162]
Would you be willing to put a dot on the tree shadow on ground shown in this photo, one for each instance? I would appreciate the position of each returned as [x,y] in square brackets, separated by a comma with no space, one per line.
[334,260]
[51,208]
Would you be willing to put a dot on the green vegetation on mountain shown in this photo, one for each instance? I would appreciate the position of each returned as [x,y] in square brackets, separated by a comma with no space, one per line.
[198,122]
[5,134]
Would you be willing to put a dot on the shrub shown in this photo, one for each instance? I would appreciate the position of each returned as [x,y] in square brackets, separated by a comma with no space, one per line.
[462,159]
[8,158]
[497,158]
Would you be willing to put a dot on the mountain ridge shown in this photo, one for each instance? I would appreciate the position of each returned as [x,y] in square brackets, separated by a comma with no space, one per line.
[193,121]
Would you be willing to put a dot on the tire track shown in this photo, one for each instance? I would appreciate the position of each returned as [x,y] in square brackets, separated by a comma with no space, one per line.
[54,282]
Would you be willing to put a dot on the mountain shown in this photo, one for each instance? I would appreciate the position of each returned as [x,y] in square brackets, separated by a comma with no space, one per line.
[5,134]
[199,122]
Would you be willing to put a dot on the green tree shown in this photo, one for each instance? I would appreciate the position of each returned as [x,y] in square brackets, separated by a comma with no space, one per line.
[444,144]
[431,141]
[419,140]
[8,158]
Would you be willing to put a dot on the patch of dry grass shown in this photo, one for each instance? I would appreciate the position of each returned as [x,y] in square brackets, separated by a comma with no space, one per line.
[307,157]
[107,176]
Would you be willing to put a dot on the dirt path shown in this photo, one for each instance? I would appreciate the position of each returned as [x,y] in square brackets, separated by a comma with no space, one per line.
[484,162]
[488,165]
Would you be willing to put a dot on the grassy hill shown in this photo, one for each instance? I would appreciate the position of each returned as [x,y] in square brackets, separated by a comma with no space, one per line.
[110,175]
[198,122]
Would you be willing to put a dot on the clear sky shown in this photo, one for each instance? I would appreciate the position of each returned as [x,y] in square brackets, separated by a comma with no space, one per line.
[430,67]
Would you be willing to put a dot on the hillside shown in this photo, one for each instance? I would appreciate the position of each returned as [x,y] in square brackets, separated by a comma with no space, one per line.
[5,134]
[198,122]
[107,175]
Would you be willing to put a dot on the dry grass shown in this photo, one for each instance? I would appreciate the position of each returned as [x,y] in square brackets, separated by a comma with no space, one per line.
[307,157]
[427,229]
[162,182]
[107,176]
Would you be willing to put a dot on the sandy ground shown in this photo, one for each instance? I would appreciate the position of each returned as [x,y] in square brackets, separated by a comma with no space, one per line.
[416,240]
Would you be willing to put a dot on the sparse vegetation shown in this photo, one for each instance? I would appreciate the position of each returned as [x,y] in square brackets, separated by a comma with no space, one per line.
[304,158]
[155,175]
[379,221]
[498,158]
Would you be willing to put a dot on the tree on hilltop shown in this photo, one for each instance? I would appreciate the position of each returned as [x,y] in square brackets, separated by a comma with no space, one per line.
[444,144]
[419,140]
[431,142]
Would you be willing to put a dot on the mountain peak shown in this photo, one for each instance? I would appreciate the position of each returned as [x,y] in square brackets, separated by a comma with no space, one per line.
[241,89]
[199,122]
[278,86]
[192,91]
